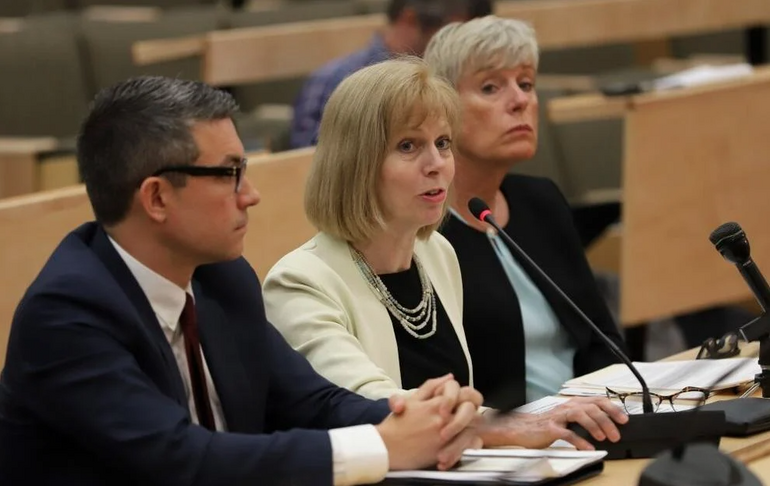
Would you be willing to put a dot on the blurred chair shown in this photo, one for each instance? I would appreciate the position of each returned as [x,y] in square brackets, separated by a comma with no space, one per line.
[42,87]
[21,8]
[107,43]
[373,6]
[728,43]
[587,60]
[299,12]
[81,4]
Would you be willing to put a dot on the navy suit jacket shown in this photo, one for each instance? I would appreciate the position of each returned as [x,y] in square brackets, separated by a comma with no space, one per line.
[91,393]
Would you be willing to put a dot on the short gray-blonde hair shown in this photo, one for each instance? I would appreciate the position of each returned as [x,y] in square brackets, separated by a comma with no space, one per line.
[363,115]
[490,42]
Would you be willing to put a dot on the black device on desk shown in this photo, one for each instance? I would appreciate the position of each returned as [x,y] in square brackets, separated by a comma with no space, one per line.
[644,435]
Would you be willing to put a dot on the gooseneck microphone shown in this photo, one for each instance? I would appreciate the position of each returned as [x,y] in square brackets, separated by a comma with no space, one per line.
[481,211]
[731,242]
[690,463]
[644,435]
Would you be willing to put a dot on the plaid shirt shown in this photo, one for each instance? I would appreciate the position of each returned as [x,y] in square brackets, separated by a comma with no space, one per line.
[318,88]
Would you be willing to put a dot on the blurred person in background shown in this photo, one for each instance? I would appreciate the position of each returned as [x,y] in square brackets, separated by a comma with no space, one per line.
[411,24]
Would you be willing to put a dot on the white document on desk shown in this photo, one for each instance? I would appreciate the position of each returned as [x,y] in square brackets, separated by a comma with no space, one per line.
[671,376]
[520,465]
[546,404]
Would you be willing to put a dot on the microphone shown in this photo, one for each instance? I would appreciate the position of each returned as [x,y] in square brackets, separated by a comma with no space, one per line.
[731,242]
[481,211]
[644,435]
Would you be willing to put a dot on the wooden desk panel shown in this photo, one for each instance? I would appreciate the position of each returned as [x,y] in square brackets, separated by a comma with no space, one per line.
[693,159]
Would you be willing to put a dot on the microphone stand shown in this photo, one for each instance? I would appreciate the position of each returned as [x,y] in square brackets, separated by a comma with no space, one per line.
[644,435]
[692,463]
[759,330]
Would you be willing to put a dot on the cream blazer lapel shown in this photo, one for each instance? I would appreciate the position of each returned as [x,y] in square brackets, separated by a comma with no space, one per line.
[371,323]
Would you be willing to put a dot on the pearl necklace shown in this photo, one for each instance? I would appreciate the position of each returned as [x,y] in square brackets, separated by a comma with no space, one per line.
[412,320]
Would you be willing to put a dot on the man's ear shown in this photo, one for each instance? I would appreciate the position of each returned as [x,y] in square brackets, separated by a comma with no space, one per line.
[154,196]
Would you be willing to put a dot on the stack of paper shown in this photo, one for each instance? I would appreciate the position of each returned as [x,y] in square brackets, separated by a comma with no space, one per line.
[667,377]
[546,404]
[510,465]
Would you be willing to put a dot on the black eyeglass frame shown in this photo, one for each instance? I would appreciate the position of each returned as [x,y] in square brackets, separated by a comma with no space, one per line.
[235,171]
[725,347]
[670,398]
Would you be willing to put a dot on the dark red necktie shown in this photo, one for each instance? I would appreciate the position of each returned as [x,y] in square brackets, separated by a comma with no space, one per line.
[192,348]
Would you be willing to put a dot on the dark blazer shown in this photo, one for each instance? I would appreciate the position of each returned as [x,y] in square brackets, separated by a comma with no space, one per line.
[541,223]
[91,393]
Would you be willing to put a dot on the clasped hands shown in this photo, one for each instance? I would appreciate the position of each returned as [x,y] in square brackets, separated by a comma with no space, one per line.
[434,425]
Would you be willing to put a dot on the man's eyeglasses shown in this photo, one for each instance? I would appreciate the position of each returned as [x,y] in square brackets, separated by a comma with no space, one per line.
[236,171]
[688,393]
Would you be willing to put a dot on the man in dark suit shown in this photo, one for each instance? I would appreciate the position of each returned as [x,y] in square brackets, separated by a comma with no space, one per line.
[141,353]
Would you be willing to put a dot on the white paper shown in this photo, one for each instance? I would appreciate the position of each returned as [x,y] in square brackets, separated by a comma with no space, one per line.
[702,75]
[542,405]
[672,376]
[522,465]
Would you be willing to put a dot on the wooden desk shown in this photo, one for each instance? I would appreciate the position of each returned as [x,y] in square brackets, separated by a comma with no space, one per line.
[693,159]
[249,55]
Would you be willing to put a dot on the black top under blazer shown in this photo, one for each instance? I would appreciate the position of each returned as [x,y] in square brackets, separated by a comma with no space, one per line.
[541,223]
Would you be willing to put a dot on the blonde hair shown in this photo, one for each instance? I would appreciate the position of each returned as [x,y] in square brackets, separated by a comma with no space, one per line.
[363,115]
[484,43]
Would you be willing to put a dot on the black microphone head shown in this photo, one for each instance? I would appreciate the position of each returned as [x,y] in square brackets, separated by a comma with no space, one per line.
[478,207]
[730,240]
[724,231]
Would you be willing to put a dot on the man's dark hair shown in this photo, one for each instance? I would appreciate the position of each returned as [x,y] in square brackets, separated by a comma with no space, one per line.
[433,13]
[137,127]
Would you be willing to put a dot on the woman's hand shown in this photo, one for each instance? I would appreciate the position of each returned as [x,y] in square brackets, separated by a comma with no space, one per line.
[598,416]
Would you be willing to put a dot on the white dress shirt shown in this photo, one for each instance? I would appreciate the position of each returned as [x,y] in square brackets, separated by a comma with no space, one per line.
[358,453]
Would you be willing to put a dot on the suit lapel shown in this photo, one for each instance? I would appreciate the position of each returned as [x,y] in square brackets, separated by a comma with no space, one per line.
[104,249]
[223,357]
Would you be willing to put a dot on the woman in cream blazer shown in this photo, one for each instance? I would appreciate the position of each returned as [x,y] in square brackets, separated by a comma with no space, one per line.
[323,306]
[321,296]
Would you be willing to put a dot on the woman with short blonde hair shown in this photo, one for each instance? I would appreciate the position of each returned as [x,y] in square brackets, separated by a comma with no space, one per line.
[374,300]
